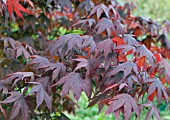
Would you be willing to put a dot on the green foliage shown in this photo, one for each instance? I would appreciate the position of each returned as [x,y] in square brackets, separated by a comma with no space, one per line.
[155,9]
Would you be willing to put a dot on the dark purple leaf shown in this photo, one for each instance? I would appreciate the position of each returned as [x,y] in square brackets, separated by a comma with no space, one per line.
[99,9]
[156,85]
[41,95]
[125,101]
[73,82]
[126,68]
[89,22]
[153,110]
[105,46]
[86,4]
[105,24]
[19,104]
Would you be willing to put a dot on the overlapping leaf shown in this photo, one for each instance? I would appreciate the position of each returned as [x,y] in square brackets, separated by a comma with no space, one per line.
[89,22]
[41,95]
[105,24]
[19,104]
[73,82]
[126,67]
[105,46]
[99,9]
[143,51]
[156,88]
[124,101]
[153,110]
[89,41]
[17,76]
[86,4]
[66,43]
[56,68]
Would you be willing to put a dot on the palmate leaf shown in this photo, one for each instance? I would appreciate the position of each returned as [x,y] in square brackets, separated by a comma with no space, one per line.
[8,42]
[14,5]
[120,30]
[64,3]
[126,67]
[130,40]
[99,9]
[86,5]
[89,41]
[164,41]
[66,43]
[56,68]
[25,50]
[126,49]
[41,95]
[30,20]
[83,63]
[105,46]
[75,83]
[143,51]
[3,86]
[124,101]
[19,104]
[156,88]
[105,24]
[38,60]
[153,110]
[164,62]
[17,76]
[89,22]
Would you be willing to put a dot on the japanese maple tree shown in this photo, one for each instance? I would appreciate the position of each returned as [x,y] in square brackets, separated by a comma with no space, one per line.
[115,58]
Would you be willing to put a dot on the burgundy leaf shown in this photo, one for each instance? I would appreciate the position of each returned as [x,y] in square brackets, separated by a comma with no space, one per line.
[64,3]
[41,95]
[105,24]
[166,65]
[19,104]
[153,110]
[99,9]
[38,60]
[126,68]
[73,82]
[125,101]
[67,43]
[164,41]
[88,41]
[131,40]
[126,48]
[21,50]
[90,22]
[143,51]
[15,77]
[120,30]
[105,46]
[56,68]
[30,20]
[156,85]
[86,4]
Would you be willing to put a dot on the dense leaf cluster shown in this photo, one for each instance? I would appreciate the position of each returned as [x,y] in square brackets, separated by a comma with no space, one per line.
[116,58]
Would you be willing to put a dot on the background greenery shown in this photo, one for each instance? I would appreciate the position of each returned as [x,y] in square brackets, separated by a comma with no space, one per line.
[155,9]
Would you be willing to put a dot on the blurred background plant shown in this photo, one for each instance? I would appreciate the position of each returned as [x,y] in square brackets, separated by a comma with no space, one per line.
[155,9]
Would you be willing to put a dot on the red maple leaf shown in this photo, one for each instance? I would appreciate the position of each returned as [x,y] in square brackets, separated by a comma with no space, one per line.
[17,7]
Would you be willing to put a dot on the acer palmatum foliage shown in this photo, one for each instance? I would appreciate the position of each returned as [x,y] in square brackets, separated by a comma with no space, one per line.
[116,59]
